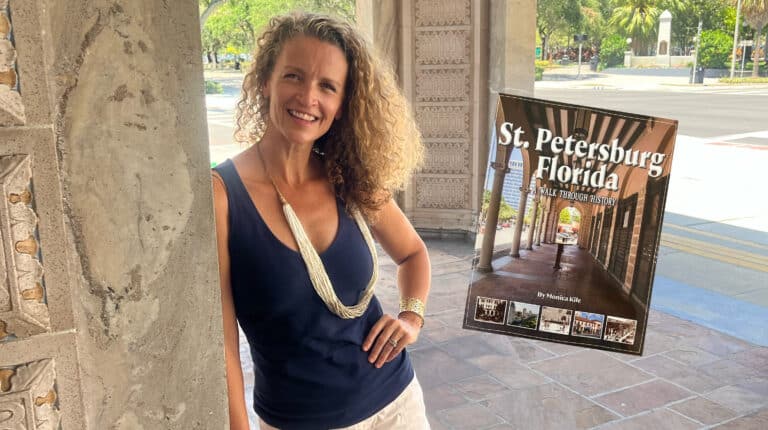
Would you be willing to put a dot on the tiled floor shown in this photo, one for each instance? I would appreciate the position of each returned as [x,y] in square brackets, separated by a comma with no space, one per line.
[690,376]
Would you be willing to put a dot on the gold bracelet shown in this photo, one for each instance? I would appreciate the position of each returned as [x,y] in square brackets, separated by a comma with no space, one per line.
[413,304]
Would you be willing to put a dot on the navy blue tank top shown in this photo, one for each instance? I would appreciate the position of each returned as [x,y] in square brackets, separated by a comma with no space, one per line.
[310,369]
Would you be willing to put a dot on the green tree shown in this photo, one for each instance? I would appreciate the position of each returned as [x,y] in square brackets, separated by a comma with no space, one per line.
[556,15]
[612,51]
[207,7]
[505,210]
[595,15]
[686,15]
[565,216]
[755,14]
[715,48]
[637,19]
[234,24]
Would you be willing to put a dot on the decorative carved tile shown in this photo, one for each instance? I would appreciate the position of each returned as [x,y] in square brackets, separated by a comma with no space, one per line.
[11,107]
[440,12]
[446,85]
[442,47]
[450,158]
[23,306]
[28,398]
[450,122]
[442,193]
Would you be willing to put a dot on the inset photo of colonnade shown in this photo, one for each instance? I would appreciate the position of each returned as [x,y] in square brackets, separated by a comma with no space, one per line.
[570,223]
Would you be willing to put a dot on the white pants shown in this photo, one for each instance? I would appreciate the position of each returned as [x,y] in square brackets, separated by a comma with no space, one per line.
[406,412]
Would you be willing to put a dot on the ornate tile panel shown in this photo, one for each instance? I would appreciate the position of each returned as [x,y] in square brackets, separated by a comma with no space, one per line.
[23,306]
[441,12]
[442,85]
[450,122]
[442,193]
[442,47]
[446,157]
[28,398]
[11,106]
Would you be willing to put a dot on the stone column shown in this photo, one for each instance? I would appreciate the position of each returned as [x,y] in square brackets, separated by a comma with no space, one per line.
[110,316]
[663,44]
[545,221]
[532,228]
[489,237]
[518,233]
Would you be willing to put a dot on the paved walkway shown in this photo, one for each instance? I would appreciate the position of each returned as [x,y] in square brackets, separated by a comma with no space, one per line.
[690,377]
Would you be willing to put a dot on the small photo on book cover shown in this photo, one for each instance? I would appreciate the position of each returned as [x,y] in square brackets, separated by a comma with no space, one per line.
[523,315]
[570,220]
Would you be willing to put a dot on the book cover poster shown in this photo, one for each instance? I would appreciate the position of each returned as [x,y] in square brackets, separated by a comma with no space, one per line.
[570,224]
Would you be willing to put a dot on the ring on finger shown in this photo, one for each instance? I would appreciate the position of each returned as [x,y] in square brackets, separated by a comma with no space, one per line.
[392,342]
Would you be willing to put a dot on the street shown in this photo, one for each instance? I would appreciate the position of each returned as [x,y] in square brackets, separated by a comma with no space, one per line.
[706,113]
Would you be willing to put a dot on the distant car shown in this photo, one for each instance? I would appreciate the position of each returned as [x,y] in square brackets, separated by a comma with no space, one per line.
[505,224]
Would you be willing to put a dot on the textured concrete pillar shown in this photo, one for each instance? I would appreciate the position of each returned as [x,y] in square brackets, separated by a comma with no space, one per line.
[109,300]
[518,233]
[532,228]
[543,223]
[489,237]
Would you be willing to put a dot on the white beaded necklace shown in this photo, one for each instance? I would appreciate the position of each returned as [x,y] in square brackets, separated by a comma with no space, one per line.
[314,264]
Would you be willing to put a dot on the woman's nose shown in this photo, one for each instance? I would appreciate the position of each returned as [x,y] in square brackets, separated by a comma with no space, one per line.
[308,95]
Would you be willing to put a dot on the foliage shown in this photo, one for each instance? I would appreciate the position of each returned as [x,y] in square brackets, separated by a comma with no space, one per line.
[756,15]
[714,15]
[715,49]
[213,87]
[235,24]
[612,51]
[538,73]
[505,210]
[637,19]
[565,216]
[595,15]
[556,15]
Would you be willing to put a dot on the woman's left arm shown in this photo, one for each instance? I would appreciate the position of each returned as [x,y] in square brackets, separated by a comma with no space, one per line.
[390,335]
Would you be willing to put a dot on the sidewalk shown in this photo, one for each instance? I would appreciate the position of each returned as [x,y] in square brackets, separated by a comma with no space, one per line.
[632,80]
[689,377]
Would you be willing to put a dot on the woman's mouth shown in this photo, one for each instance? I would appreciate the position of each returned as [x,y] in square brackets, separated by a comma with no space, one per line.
[301,115]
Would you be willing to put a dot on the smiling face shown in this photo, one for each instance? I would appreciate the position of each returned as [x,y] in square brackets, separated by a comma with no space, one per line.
[305,89]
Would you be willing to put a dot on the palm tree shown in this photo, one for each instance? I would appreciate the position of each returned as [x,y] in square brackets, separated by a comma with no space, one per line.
[637,19]
[756,15]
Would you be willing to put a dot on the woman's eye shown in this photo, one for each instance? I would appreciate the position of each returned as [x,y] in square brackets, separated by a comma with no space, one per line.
[291,76]
[329,87]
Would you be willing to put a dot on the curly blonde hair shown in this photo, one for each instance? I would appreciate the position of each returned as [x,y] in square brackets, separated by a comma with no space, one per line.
[372,150]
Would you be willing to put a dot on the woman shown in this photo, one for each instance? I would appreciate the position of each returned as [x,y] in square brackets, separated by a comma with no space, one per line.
[332,136]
